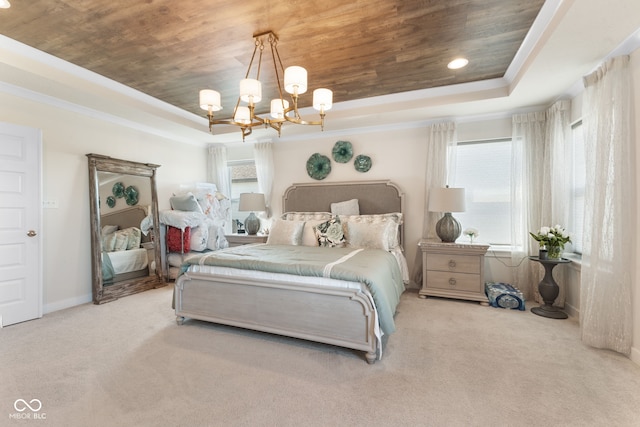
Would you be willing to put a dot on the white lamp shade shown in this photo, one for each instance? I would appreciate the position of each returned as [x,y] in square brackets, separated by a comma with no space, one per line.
[251,202]
[277,112]
[250,90]
[322,99]
[295,80]
[243,115]
[447,200]
[210,99]
[4,4]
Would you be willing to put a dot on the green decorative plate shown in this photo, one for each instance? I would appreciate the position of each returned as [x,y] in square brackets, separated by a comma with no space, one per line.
[362,163]
[118,190]
[342,151]
[131,195]
[318,166]
[111,201]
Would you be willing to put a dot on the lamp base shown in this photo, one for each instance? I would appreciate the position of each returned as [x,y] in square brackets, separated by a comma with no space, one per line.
[252,224]
[448,228]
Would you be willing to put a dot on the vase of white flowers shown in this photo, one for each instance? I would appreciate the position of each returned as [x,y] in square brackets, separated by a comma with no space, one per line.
[471,232]
[552,239]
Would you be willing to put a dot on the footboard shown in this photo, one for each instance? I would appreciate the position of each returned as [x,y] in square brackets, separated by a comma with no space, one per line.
[341,317]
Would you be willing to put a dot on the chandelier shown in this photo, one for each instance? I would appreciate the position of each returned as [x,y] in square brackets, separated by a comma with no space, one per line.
[295,84]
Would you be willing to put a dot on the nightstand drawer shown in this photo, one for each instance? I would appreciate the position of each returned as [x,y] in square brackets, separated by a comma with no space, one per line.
[454,263]
[453,281]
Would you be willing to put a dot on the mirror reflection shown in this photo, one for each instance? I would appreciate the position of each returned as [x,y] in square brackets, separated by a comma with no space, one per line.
[125,257]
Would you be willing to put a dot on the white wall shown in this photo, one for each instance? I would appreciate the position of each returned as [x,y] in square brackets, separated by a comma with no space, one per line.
[398,155]
[67,138]
[635,66]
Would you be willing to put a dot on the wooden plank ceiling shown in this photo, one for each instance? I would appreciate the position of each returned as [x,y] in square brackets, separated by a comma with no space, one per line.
[172,49]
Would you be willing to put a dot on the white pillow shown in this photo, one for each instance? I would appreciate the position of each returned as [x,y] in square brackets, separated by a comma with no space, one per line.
[285,232]
[369,235]
[349,207]
[394,217]
[309,237]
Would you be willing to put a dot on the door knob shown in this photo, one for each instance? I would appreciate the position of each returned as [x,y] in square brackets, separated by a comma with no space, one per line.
[31,233]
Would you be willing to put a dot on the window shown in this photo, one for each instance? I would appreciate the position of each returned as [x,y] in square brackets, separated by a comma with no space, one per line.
[579,175]
[243,180]
[483,169]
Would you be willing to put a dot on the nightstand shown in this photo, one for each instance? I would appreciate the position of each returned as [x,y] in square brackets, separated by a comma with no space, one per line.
[453,270]
[245,239]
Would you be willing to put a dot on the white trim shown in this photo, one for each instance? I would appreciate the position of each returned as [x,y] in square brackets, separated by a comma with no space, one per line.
[89,112]
[67,303]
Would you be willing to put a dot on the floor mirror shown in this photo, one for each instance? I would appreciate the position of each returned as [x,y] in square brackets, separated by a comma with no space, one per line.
[125,238]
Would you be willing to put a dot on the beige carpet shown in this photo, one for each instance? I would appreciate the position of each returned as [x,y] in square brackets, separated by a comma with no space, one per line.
[450,363]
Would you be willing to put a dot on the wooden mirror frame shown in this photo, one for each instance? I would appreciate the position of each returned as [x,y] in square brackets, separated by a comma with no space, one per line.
[101,293]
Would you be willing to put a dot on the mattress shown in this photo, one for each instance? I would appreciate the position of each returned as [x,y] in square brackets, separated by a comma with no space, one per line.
[130,260]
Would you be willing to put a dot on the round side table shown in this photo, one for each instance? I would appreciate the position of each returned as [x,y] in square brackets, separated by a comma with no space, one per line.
[549,289]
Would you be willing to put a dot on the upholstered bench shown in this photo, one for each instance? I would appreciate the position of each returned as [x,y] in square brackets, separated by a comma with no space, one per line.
[504,295]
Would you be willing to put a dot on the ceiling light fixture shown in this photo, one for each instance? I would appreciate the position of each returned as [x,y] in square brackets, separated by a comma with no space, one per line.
[4,4]
[458,63]
[295,83]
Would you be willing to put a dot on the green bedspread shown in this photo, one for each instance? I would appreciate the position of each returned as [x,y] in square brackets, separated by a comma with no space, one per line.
[376,268]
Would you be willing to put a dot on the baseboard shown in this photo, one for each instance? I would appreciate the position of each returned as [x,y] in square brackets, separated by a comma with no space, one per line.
[635,355]
[67,303]
[572,311]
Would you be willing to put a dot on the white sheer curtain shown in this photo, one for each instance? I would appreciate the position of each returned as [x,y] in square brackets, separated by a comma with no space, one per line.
[442,139]
[608,258]
[263,154]
[219,175]
[540,188]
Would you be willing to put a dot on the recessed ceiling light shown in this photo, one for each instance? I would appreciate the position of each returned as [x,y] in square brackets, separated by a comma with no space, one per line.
[457,63]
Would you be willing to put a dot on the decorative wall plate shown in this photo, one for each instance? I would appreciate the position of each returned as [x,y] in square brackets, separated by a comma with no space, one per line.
[111,201]
[118,190]
[131,195]
[318,166]
[362,163]
[342,151]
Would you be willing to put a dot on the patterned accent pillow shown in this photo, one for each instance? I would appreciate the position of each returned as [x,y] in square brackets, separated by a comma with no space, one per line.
[330,233]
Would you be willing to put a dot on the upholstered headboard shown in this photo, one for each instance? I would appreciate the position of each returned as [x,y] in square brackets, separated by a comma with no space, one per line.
[374,197]
[125,218]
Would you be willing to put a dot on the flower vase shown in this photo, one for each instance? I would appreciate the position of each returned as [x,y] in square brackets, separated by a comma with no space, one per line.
[554,252]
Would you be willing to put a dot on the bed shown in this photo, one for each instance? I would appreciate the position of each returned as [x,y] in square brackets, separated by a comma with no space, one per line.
[344,296]
[124,255]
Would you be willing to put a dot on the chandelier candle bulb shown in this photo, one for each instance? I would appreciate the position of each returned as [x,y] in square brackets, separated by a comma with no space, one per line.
[210,100]
[277,110]
[322,99]
[243,115]
[295,80]
[250,91]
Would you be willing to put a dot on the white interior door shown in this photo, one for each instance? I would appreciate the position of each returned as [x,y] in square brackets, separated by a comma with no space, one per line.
[20,224]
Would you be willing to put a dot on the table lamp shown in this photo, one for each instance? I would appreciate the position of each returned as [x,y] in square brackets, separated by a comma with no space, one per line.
[252,202]
[447,200]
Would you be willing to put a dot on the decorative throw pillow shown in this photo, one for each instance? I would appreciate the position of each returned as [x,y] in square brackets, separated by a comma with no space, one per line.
[330,234]
[370,236]
[285,232]
[185,202]
[394,217]
[178,240]
[349,207]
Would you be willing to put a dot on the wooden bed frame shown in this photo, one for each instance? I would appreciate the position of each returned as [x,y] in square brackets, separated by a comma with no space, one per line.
[338,316]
